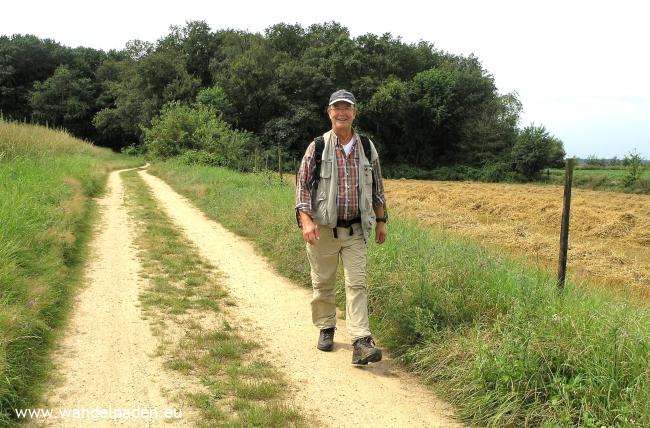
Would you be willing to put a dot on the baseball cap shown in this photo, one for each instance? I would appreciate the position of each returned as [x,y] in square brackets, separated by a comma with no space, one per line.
[342,95]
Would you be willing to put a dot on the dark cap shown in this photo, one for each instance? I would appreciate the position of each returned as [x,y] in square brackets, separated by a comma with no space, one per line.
[342,95]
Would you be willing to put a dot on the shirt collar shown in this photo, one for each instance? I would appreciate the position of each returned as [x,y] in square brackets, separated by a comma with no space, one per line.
[354,139]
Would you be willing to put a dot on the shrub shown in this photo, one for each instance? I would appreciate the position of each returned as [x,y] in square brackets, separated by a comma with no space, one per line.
[534,150]
[183,128]
[497,172]
[633,163]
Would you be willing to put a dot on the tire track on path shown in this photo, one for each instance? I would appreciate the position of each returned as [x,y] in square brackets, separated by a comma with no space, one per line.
[325,383]
[106,358]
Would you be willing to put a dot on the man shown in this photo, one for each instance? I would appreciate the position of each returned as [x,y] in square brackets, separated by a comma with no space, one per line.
[336,215]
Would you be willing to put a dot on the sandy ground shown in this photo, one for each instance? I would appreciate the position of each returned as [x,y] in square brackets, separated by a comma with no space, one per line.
[325,384]
[105,362]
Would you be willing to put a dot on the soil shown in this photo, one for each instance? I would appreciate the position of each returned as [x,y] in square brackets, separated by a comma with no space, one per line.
[106,359]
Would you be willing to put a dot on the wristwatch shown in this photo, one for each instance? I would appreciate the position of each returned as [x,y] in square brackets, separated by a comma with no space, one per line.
[383,219]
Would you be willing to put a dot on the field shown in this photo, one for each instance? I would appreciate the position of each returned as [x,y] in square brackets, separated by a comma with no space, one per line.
[609,232]
[602,179]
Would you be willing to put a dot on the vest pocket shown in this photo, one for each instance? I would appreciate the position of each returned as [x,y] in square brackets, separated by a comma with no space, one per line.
[326,169]
[321,192]
[367,182]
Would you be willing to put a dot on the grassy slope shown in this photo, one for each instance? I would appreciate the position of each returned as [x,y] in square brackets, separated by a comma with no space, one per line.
[46,181]
[490,333]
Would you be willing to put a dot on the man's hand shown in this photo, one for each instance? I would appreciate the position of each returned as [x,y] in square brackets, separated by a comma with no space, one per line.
[380,232]
[309,229]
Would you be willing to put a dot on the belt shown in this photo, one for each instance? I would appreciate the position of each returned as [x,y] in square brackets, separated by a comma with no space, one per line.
[345,224]
[348,223]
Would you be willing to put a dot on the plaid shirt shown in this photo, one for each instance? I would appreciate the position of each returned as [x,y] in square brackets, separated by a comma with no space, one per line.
[348,181]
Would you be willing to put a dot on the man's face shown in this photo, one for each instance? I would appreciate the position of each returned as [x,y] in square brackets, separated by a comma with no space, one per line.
[342,114]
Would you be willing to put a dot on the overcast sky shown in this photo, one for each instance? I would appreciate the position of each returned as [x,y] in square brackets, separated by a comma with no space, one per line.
[581,68]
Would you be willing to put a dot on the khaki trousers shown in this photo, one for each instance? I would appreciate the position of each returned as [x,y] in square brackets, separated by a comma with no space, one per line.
[324,261]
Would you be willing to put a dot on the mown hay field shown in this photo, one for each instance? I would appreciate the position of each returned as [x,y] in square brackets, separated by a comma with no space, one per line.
[609,232]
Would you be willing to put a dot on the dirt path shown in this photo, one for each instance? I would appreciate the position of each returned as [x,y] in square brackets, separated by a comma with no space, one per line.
[323,383]
[106,361]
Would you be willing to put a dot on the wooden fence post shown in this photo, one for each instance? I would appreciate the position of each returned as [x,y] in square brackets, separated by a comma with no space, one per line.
[564,231]
[280,162]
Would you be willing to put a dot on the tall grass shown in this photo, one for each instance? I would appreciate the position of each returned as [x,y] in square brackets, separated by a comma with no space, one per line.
[46,181]
[493,335]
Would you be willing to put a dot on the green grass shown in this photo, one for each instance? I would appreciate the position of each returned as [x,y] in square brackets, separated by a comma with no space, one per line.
[601,179]
[491,334]
[47,180]
[242,388]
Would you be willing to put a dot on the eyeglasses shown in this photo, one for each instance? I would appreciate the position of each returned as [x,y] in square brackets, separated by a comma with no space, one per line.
[342,109]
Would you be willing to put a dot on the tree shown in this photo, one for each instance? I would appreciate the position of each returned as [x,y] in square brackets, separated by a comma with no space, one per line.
[196,42]
[66,99]
[249,81]
[25,59]
[534,150]
[215,98]
[634,166]
[136,90]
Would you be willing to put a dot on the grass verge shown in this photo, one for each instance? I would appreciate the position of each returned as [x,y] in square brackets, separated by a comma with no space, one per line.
[47,182]
[202,340]
[491,333]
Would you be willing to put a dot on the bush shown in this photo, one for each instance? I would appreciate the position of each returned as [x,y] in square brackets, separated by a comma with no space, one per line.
[199,129]
[634,165]
[201,157]
[534,150]
[495,172]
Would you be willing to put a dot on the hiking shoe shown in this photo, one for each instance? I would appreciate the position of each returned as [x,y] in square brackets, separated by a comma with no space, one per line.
[365,351]
[326,339]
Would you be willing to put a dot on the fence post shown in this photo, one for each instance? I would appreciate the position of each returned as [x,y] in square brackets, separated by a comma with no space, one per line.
[564,231]
[280,162]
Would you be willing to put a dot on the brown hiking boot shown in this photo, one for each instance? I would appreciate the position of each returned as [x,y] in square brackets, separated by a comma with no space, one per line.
[326,339]
[365,351]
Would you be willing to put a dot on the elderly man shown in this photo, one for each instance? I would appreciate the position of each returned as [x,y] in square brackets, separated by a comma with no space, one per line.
[339,199]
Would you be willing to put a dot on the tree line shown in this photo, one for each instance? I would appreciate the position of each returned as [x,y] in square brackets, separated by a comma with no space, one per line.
[224,96]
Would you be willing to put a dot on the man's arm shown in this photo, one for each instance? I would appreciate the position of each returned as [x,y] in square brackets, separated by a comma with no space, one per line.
[379,202]
[303,196]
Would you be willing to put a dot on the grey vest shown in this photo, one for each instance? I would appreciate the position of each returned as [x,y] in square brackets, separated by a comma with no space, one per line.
[324,203]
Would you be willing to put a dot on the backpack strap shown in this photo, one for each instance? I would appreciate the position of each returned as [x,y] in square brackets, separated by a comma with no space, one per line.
[365,142]
[319,147]
[319,143]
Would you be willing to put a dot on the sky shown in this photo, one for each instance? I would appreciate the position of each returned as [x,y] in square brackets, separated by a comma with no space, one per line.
[580,68]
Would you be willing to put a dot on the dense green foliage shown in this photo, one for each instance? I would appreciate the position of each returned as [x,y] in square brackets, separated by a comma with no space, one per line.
[46,181]
[198,135]
[536,149]
[423,107]
[492,334]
